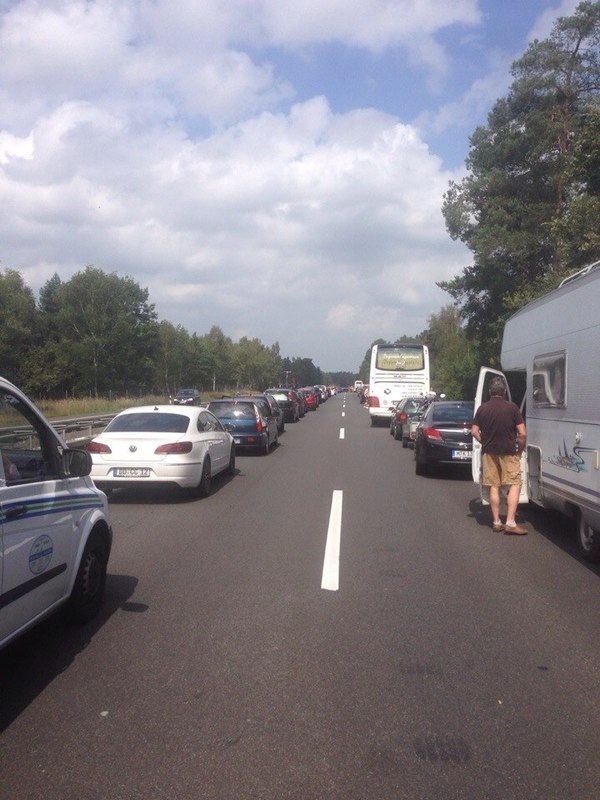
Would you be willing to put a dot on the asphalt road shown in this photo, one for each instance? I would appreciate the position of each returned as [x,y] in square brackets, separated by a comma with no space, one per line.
[439,661]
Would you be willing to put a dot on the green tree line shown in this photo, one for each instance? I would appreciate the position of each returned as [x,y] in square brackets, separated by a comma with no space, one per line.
[98,334]
[528,208]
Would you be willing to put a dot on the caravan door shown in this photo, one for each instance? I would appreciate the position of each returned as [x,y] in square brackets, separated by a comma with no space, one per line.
[483,392]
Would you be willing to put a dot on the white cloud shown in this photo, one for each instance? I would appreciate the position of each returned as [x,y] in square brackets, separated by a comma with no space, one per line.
[472,107]
[545,22]
[373,24]
[11,146]
[148,139]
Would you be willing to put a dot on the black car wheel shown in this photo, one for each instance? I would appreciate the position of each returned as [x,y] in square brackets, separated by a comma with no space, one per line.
[421,466]
[88,589]
[231,467]
[204,484]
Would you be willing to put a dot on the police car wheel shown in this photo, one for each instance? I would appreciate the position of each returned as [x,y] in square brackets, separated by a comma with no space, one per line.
[88,589]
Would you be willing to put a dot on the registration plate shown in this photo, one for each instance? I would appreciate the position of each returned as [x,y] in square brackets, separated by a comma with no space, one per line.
[237,441]
[462,455]
[131,472]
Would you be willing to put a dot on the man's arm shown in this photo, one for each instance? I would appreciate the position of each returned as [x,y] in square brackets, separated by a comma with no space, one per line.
[521,438]
[476,432]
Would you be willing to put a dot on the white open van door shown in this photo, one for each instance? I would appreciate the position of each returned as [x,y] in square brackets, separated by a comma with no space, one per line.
[483,385]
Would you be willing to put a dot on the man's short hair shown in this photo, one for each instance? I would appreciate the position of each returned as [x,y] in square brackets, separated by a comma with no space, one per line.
[497,387]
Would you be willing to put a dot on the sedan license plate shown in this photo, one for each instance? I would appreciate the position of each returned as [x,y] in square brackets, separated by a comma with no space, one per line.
[131,472]
[462,455]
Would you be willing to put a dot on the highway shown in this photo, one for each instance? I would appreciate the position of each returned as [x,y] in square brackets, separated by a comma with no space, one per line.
[325,626]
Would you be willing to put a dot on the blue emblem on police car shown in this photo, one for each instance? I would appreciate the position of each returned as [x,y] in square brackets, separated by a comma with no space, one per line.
[40,554]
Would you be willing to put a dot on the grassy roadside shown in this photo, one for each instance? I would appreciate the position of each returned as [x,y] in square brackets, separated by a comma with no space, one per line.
[88,406]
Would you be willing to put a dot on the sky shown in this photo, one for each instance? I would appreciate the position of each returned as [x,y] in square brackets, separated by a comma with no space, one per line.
[273,167]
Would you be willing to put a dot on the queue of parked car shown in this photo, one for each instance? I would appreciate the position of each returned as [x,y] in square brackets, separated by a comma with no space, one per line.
[56,530]
[187,445]
[438,430]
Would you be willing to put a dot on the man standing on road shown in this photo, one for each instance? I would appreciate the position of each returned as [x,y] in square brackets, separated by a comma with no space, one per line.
[500,428]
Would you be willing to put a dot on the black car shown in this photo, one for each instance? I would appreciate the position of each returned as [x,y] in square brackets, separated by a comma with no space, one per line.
[403,414]
[444,435]
[288,401]
[276,409]
[187,397]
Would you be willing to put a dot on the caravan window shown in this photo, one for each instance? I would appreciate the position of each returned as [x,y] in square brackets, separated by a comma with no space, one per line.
[549,380]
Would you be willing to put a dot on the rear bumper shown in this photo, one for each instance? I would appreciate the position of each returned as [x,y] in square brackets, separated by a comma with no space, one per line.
[185,476]
[255,441]
[381,412]
[435,454]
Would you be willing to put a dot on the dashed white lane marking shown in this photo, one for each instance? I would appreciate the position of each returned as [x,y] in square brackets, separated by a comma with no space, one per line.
[331,563]
[342,433]
[343,413]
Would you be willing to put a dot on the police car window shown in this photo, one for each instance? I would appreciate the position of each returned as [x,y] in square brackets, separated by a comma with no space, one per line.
[28,453]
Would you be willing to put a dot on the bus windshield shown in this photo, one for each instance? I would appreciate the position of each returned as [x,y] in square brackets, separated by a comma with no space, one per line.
[400,358]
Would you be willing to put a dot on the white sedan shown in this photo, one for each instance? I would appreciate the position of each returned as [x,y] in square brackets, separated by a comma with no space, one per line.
[186,446]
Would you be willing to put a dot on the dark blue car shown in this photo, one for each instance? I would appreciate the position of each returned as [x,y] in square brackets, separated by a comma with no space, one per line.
[251,422]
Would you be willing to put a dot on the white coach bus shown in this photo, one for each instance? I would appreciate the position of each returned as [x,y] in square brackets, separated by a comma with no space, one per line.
[397,371]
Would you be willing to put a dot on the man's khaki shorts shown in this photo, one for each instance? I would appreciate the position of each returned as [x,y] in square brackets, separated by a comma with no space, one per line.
[501,470]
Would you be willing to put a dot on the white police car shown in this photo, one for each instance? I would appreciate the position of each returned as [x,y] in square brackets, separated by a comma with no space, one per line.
[55,529]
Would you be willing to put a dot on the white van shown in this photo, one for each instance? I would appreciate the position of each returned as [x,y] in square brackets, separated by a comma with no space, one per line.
[553,343]
[55,530]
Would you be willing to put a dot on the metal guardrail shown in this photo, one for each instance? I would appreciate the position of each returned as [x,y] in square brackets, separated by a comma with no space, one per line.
[72,429]
[80,429]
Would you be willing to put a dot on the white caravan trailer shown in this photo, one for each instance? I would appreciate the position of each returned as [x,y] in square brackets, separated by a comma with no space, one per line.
[555,343]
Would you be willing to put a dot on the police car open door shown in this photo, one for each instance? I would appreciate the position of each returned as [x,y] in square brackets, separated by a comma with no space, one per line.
[483,392]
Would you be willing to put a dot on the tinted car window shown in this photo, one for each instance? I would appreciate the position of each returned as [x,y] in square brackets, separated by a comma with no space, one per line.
[235,410]
[149,423]
[264,408]
[208,422]
[459,412]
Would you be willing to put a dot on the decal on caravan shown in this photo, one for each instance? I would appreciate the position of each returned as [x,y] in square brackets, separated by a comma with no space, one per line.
[554,342]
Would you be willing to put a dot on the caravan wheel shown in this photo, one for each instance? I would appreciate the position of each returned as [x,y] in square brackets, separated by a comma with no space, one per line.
[588,540]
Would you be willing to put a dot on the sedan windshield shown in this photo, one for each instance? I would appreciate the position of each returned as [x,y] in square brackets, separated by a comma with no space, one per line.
[147,422]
